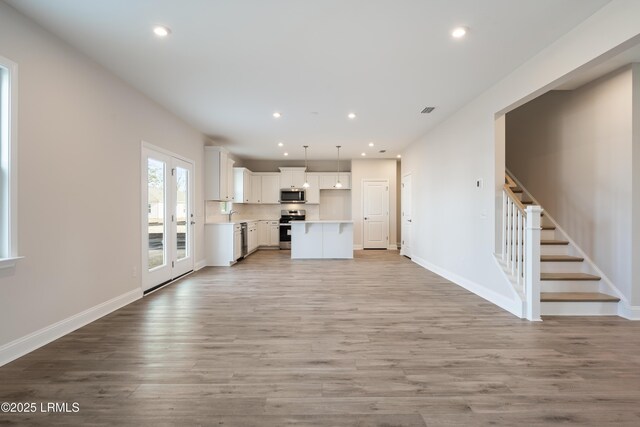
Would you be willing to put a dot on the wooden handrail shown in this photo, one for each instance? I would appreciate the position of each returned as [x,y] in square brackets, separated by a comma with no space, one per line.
[517,201]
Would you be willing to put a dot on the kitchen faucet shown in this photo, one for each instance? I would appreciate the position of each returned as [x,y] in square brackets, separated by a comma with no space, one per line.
[231,214]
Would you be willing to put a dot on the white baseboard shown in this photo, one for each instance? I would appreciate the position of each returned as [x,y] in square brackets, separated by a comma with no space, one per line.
[357,247]
[37,339]
[200,265]
[512,306]
[631,312]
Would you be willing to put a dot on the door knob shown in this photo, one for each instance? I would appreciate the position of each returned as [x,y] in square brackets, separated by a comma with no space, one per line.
[365,218]
[193,222]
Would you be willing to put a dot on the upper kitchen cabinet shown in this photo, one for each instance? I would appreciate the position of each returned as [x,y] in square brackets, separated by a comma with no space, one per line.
[255,195]
[292,177]
[328,180]
[270,188]
[265,188]
[217,174]
[242,185]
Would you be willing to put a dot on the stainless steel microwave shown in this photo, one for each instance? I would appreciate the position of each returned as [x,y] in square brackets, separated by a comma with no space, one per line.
[293,195]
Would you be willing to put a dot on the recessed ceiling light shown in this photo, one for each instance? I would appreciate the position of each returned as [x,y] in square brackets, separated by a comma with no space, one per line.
[352,116]
[161,31]
[286,154]
[280,144]
[398,156]
[371,144]
[363,154]
[277,115]
[458,32]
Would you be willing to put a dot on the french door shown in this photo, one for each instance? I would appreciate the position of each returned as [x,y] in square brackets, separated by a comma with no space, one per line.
[167,217]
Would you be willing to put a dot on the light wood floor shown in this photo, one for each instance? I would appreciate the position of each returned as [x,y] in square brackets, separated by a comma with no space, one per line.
[377,341]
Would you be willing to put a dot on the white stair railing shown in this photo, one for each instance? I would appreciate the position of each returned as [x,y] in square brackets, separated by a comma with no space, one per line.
[521,248]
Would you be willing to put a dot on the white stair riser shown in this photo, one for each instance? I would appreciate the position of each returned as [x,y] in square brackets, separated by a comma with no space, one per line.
[547,235]
[554,249]
[569,286]
[579,308]
[564,267]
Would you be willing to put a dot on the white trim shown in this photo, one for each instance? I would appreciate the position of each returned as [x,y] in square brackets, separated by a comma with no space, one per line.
[12,188]
[37,339]
[631,312]
[512,306]
[166,152]
[200,265]
[9,262]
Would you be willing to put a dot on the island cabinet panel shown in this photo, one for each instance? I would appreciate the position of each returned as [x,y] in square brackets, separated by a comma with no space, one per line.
[308,241]
[322,239]
[337,240]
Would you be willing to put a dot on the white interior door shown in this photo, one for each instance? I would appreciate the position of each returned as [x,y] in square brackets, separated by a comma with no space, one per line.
[407,220]
[375,221]
[167,218]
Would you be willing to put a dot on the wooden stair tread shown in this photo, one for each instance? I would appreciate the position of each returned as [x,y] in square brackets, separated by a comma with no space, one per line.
[568,276]
[548,227]
[516,189]
[560,258]
[554,242]
[526,202]
[577,297]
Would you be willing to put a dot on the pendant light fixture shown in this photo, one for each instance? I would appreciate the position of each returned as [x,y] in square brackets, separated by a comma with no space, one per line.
[338,183]
[306,181]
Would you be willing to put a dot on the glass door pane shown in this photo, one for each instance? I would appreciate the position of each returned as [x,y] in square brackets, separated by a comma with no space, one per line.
[182,213]
[156,184]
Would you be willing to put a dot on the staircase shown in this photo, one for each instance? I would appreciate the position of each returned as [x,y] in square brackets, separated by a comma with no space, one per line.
[569,285]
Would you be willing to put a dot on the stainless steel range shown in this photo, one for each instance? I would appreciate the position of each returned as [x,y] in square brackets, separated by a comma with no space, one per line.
[285,227]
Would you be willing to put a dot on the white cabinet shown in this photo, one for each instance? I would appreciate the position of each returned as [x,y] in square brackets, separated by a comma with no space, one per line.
[313,192]
[268,233]
[265,188]
[252,238]
[237,242]
[291,177]
[274,234]
[242,185]
[328,181]
[223,244]
[270,188]
[218,178]
[255,195]
[230,180]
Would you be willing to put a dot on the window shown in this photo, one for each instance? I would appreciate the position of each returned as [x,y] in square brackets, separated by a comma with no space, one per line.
[8,164]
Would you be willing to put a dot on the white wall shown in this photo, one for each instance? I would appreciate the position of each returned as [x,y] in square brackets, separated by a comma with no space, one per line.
[257,165]
[635,187]
[374,169]
[79,140]
[454,222]
[335,204]
[572,151]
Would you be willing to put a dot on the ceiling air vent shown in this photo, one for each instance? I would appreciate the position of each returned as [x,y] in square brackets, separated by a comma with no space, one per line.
[427,110]
[382,151]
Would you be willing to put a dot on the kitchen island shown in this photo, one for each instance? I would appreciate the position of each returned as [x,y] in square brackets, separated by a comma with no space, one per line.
[324,239]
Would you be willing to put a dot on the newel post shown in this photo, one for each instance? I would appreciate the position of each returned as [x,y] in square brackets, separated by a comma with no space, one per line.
[532,262]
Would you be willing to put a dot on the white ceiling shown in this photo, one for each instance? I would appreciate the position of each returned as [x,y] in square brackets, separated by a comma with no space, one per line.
[229,64]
